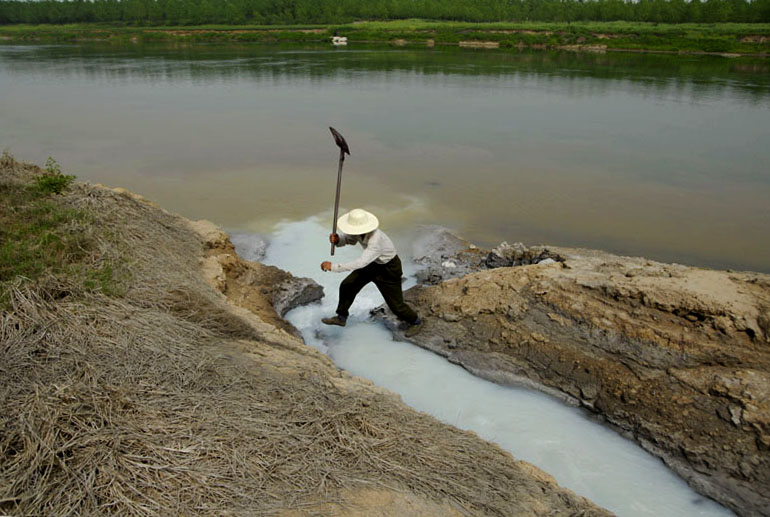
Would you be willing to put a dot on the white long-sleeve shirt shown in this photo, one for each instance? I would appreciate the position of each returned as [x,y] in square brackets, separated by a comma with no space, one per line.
[377,248]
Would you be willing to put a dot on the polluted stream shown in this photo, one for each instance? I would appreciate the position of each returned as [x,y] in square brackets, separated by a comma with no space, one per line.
[581,454]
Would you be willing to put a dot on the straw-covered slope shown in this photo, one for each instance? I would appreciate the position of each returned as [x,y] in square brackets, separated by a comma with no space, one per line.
[131,386]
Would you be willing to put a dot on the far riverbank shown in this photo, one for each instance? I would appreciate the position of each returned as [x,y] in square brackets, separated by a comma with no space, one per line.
[727,39]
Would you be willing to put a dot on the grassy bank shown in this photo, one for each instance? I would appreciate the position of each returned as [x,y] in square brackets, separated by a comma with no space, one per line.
[47,241]
[711,38]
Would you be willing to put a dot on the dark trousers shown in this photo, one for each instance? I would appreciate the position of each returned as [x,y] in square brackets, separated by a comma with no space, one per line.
[387,278]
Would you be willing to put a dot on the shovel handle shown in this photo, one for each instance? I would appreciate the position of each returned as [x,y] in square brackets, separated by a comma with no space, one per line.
[337,197]
[343,145]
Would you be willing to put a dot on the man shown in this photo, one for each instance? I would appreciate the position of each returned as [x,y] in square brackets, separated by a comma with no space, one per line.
[379,263]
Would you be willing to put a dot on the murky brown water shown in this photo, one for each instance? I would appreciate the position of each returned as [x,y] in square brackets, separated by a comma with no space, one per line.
[661,156]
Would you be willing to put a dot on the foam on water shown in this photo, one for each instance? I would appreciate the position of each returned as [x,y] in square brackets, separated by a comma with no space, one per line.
[581,454]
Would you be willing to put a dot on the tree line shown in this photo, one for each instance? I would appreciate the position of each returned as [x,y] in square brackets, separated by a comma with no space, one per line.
[288,12]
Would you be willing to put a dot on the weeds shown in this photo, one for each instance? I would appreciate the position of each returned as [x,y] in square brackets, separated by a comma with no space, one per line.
[42,236]
[52,181]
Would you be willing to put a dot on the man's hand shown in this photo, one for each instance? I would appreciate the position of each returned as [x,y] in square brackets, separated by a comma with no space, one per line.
[334,238]
[326,266]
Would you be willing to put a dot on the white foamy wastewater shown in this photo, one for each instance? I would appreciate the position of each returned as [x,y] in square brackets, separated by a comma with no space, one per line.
[581,454]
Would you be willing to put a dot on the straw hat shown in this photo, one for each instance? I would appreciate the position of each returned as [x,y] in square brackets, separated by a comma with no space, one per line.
[357,222]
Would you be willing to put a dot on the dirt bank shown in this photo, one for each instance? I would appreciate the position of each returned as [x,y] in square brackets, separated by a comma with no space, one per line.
[180,391]
[678,358]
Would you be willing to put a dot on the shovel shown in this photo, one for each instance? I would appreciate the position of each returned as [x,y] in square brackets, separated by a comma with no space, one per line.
[343,145]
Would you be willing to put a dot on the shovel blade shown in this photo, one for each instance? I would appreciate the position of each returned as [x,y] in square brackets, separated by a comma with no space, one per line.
[340,141]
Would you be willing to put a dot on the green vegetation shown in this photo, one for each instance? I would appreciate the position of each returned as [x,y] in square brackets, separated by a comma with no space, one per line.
[717,26]
[689,37]
[43,238]
[272,12]
[725,37]
[52,181]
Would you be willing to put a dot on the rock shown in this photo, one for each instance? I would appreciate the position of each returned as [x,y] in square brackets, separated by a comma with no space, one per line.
[673,356]
[735,415]
[266,291]
[444,256]
[590,391]
[436,243]
[293,292]
[436,271]
[506,255]
[764,320]
[470,260]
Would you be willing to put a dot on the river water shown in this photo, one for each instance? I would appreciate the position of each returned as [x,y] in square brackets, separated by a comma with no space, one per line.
[661,156]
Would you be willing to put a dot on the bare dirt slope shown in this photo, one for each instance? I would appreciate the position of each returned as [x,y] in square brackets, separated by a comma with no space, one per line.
[674,356]
[163,398]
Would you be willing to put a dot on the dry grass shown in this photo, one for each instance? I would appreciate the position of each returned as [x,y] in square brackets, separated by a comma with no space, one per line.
[144,404]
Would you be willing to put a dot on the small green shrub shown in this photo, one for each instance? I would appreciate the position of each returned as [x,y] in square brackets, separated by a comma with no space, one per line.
[52,181]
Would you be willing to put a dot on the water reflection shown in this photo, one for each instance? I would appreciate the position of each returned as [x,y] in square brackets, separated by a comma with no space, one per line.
[655,155]
[652,74]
